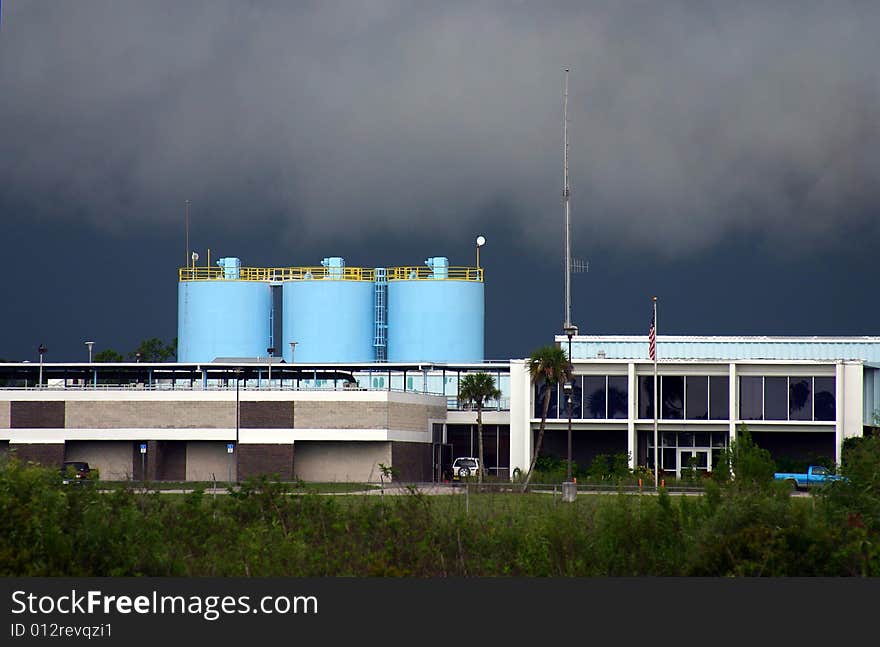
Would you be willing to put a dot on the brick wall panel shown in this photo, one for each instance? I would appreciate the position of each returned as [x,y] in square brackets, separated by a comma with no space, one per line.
[266,415]
[412,461]
[256,460]
[47,455]
[36,415]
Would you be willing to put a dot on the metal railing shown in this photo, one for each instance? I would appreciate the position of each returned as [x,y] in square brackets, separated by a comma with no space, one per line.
[273,274]
[279,274]
[424,273]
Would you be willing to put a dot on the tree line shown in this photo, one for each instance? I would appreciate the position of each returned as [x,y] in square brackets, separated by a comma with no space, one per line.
[149,350]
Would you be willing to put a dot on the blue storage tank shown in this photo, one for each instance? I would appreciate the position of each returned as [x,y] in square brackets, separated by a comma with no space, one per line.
[329,313]
[223,316]
[435,315]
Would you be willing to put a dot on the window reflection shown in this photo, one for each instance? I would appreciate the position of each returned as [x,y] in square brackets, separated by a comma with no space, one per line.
[775,398]
[800,398]
[824,398]
[751,398]
[672,392]
[697,401]
[719,397]
[646,396]
[594,396]
[618,403]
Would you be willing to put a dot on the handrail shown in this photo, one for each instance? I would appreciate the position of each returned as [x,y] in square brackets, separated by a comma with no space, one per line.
[280,274]
[273,274]
[424,273]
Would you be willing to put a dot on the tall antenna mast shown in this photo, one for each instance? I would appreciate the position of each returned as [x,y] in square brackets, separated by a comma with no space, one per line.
[569,328]
[186,263]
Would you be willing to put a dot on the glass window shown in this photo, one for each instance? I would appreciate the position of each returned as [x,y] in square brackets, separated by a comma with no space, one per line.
[800,398]
[672,392]
[490,445]
[685,439]
[751,398]
[540,391]
[701,439]
[668,439]
[646,397]
[697,401]
[575,401]
[594,396]
[667,460]
[618,402]
[775,398]
[503,447]
[824,398]
[719,397]
[719,439]
[459,436]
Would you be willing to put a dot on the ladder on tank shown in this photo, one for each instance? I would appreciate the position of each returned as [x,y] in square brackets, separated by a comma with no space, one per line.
[381,308]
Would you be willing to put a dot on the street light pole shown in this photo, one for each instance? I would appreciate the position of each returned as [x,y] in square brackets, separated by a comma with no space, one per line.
[567,387]
[237,418]
[271,352]
[41,350]
[481,240]
[90,344]
[570,331]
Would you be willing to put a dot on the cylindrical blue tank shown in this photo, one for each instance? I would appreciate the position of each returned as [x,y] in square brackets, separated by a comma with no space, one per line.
[223,317]
[330,316]
[435,316]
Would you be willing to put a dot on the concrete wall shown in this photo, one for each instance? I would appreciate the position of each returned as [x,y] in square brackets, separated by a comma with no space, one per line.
[341,461]
[149,415]
[4,415]
[341,415]
[112,458]
[412,417]
[205,458]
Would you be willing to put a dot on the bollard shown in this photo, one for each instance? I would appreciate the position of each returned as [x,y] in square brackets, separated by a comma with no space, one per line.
[662,482]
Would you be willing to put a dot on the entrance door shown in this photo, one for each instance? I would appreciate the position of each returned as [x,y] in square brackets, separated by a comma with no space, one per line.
[697,459]
[442,460]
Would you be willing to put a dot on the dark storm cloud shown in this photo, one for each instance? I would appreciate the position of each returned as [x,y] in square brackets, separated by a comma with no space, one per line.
[691,121]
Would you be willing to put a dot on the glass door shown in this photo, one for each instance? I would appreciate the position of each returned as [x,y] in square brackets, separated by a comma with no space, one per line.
[696,460]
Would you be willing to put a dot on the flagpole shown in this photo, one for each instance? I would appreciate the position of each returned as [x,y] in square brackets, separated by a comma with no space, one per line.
[656,399]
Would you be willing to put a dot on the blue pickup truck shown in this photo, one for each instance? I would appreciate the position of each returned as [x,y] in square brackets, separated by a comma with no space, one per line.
[816,475]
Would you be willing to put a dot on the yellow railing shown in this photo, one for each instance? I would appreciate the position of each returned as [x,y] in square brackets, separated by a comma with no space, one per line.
[277,273]
[424,273]
[272,274]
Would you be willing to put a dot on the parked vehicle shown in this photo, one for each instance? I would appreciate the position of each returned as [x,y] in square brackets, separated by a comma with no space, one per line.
[75,472]
[464,467]
[815,475]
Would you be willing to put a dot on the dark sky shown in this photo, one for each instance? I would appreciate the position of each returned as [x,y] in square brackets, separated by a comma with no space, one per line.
[724,156]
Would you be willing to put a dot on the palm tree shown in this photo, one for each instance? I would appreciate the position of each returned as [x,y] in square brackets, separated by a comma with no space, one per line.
[548,365]
[477,388]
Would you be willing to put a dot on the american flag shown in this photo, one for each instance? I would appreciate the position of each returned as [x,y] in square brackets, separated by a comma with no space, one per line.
[652,339]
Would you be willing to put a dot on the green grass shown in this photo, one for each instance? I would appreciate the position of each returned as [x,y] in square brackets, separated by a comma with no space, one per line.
[47,529]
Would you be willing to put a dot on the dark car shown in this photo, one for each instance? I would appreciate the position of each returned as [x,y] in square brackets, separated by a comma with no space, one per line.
[75,472]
